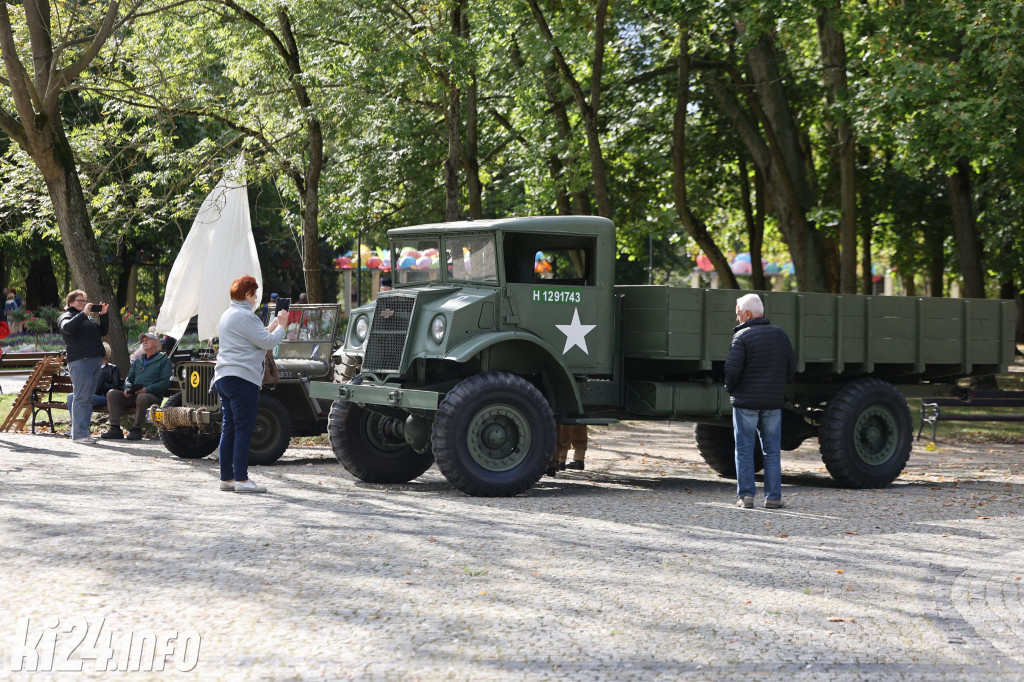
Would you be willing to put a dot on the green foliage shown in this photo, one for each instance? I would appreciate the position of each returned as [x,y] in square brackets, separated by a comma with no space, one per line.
[188,88]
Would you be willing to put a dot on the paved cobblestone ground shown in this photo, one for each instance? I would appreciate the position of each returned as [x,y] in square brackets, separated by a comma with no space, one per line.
[638,568]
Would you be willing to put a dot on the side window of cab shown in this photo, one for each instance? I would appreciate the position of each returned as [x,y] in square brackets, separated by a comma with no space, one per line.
[532,258]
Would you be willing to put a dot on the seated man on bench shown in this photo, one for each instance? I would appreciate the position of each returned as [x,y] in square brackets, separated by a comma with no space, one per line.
[110,380]
[146,384]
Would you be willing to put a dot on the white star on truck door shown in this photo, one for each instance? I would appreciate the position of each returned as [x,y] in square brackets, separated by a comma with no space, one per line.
[575,333]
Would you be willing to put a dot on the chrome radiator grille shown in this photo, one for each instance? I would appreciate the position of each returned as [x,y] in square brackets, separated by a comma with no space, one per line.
[195,378]
[388,332]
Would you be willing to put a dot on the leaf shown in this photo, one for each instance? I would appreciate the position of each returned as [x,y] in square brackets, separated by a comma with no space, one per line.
[840,619]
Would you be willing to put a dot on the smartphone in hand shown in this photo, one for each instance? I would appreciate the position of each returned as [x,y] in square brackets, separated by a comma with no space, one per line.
[283,304]
[95,307]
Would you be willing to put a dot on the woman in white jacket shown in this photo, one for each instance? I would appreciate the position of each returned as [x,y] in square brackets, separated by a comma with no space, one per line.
[238,376]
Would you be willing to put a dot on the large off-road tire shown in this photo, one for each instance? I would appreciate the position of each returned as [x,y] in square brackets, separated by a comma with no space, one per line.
[717,445]
[273,432]
[187,443]
[371,447]
[866,434]
[493,435]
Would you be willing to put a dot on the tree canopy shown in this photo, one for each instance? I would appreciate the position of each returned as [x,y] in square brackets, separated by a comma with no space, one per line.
[848,137]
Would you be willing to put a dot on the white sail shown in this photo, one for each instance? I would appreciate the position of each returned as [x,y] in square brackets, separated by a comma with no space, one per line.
[218,249]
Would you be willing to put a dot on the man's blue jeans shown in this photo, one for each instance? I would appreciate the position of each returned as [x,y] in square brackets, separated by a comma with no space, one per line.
[85,374]
[239,400]
[748,425]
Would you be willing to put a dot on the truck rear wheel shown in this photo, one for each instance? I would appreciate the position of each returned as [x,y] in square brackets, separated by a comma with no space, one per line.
[717,446]
[493,435]
[371,447]
[187,443]
[273,432]
[866,434]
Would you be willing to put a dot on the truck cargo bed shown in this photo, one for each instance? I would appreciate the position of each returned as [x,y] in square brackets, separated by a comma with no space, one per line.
[885,336]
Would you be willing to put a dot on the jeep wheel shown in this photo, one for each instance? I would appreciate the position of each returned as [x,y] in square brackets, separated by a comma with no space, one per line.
[273,432]
[866,434]
[493,435]
[187,443]
[371,447]
[717,445]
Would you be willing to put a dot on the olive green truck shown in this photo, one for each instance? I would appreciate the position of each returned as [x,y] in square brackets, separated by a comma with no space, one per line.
[498,330]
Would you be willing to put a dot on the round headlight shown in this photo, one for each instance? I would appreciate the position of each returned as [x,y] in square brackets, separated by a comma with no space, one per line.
[437,327]
[361,327]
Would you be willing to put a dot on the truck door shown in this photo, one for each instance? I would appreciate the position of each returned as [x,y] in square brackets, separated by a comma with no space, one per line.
[552,291]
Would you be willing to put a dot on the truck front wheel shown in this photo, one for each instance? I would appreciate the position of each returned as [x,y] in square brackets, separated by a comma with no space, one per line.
[717,446]
[187,443]
[493,435]
[371,446]
[865,434]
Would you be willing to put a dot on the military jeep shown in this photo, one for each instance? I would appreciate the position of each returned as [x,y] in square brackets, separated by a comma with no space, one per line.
[189,422]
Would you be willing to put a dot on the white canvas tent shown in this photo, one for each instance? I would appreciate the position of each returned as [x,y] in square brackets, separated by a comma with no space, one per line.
[218,249]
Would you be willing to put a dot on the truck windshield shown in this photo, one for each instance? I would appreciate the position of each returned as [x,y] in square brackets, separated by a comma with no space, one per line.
[416,260]
[471,259]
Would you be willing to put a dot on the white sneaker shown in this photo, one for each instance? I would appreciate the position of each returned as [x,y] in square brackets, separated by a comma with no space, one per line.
[227,485]
[87,439]
[249,487]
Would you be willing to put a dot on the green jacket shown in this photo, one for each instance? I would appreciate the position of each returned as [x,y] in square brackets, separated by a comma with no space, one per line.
[153,374]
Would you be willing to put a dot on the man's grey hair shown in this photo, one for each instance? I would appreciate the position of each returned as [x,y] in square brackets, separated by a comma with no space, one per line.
[751,302]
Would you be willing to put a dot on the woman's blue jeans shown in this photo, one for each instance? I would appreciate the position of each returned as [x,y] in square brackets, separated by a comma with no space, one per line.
[97,401]
[239,400]
[85,375]
[748,425]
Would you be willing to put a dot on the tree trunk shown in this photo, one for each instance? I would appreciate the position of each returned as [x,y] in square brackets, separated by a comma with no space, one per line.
[452,118]
[773,143]
[311,215]
[588,109]
[968,241]
[833,59]
[755,228]
[696,227]
[41,282]
[936,263]
[578,197]
[472,161]
[87,267]
[308,184]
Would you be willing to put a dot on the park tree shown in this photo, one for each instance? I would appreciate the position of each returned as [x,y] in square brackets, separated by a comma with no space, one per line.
[45,50]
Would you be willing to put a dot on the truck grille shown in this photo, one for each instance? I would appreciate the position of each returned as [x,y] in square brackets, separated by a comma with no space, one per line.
[195,392]
[390,327]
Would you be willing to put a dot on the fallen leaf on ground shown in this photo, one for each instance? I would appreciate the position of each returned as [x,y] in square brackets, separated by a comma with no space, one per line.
[839,619]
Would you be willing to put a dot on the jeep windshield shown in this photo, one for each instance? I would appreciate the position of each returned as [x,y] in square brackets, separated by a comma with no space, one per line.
[416,260]
[471,258]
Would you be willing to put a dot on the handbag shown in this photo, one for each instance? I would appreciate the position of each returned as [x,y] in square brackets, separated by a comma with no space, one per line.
[270,373]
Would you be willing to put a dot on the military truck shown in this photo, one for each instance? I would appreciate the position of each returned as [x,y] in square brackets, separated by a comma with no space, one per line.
[471,362]
[189,422]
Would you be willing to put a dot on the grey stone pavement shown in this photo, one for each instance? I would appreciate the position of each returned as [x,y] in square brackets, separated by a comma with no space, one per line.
[637,568]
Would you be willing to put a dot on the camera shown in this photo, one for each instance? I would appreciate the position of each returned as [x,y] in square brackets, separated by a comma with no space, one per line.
[283,304]
[95,307]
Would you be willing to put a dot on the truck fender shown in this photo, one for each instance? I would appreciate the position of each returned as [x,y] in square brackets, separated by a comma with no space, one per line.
[524,353]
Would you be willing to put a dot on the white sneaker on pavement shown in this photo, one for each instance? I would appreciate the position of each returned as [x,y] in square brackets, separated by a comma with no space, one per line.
[248,487]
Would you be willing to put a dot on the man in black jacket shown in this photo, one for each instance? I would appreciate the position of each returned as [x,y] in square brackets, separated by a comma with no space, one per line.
[760,364]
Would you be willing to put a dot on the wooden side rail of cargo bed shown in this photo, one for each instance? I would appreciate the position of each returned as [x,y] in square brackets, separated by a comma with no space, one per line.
[931,408]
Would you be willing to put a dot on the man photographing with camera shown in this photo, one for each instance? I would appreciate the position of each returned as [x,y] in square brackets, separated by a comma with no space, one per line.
[83,339]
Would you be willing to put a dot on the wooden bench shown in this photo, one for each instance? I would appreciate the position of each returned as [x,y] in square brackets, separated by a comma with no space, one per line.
[931,408]
[53,395]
